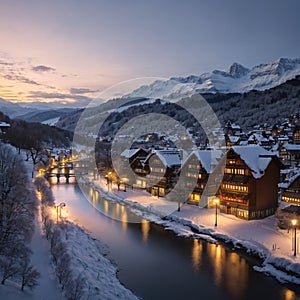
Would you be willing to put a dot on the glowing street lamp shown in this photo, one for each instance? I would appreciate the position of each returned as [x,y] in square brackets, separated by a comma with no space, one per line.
[60,205]
[294,223]
[124,181]
[216,213]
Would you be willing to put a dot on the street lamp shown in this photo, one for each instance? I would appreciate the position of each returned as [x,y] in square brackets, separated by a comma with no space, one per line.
[294,223]
[216,213]
[62,204]
[124,182]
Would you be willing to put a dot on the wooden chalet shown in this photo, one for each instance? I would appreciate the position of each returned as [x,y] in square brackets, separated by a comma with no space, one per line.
[290,154]
[249,188]
[290,188]
[196,168]
[163,167]
[135,158]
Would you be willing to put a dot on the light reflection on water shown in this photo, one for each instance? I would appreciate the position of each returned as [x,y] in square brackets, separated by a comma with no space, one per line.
[196,255]
[158,265]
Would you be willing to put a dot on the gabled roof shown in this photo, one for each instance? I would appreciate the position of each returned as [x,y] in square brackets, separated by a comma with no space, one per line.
[4,124]
[128,153]
[295,174]
[207,158]
[169,158]
[255,157]
[233,138]
[291,147]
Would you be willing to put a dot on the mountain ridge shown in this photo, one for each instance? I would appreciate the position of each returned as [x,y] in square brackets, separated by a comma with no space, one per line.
[238,79]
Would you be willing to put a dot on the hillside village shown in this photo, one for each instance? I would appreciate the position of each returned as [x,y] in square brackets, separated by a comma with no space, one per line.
[261,171]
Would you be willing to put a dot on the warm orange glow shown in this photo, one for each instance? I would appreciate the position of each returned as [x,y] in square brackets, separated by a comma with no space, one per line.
[289,295]
[196,254]
[105,206]
[124,220]
[145,230]
[294,222]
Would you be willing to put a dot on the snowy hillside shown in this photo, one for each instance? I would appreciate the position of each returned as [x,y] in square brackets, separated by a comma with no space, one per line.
[237,79]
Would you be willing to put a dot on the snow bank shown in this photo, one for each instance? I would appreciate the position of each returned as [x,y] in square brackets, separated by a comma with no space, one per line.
[87,260]
[258,237]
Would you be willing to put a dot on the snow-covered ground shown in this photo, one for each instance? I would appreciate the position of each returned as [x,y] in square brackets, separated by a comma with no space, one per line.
[48,288]
[87,260]
[259,237]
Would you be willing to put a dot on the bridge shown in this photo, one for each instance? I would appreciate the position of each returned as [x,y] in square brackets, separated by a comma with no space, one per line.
[67,171]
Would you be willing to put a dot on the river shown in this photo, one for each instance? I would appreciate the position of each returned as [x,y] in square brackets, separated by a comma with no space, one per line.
[156,264]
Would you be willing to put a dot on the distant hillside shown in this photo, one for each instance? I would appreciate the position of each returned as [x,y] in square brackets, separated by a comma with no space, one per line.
[44,134]
[44,116]
[14,109]
[247,109]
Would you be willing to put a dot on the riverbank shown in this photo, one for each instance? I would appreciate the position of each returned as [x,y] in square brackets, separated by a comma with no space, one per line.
[82,270]
[261,238]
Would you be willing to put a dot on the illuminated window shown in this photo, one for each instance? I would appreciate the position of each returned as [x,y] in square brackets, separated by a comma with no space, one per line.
[235,171]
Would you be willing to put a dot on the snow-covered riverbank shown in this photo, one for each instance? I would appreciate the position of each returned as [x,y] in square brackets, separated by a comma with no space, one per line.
[81,268]
[258,237]
[97,273]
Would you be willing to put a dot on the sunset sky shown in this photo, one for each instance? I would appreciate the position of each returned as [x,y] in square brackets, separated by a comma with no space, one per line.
[71,50]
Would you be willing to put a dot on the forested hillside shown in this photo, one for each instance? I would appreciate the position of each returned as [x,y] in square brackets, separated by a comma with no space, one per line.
[248,109]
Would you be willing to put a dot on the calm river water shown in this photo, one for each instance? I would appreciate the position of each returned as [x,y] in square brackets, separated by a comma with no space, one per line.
[156,264]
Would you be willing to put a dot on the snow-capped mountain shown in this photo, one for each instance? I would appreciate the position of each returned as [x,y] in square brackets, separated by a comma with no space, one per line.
[238,79]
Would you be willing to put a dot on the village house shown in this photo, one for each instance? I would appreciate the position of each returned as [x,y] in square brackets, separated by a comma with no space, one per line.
[135,159]
[296,133]
[290,155]
[196,168]
[3,128]
[163,167]
[290,187]
[249,188]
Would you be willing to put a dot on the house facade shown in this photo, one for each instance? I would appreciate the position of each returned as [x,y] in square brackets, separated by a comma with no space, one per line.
[135,160]
[290,154]
[162,167]
[197,168]
[249,187]
[290,188]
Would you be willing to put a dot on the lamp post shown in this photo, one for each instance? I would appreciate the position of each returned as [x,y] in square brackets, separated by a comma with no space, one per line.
[216,213]
[124,181]
[60,205]
[294,223]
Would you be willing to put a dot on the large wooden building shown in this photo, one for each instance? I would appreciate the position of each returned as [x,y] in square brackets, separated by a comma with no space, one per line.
[197,168]
[249,188]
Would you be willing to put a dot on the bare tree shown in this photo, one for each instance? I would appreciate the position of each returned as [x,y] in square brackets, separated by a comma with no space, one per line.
[29,276]
[75,289]
[8,267]
[17,211]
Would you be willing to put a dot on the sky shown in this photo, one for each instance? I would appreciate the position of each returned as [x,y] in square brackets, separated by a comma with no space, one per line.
[70,51]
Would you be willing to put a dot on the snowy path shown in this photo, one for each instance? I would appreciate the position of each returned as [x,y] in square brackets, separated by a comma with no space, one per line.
[48,288]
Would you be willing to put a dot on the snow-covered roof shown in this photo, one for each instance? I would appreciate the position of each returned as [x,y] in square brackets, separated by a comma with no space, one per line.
[243,143]
[291,147]
[256,158]
[235,126]
[129,152]
[233,138]
[294,174]
[169,158]
[4,124]
[207,158]
[251,137]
